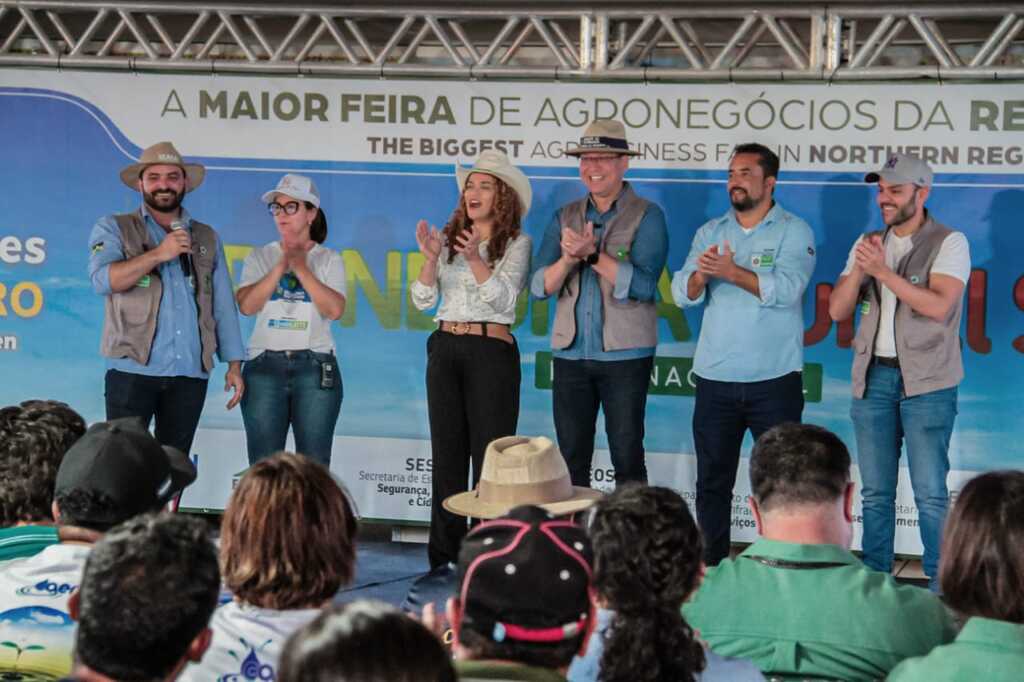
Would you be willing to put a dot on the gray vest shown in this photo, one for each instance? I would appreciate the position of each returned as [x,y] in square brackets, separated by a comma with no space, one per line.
[628,323]
[129,321]
[928,351]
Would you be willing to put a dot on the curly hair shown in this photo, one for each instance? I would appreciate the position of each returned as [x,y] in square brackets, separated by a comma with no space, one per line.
[33,439]
[647,560]
[288,535]
[508,216]
[148,589]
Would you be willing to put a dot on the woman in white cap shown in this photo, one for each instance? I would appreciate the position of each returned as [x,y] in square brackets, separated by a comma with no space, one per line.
[476,267]
[296,287]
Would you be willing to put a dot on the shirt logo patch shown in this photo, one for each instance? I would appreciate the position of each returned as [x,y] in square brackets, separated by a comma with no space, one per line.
[96,248]
[810,250]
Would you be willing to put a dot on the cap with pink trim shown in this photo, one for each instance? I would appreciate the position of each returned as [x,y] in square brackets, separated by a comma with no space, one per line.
[526,577]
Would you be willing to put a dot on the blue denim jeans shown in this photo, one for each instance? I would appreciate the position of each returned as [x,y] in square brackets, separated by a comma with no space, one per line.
[884,420]
[619,387]
[282,389]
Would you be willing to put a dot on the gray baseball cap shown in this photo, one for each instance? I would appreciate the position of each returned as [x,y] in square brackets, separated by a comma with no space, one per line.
[903,169]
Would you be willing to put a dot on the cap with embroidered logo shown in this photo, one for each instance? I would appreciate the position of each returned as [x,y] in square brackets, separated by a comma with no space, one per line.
[903,169]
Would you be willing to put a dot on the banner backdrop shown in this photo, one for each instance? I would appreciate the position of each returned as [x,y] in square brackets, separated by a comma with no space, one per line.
[382,153]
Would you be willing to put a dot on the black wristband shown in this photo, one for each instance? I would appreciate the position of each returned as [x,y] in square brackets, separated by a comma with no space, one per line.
[593,258]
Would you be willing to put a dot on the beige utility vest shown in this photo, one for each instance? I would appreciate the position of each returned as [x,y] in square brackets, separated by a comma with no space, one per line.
[928,351]
[627,323]
[130,317]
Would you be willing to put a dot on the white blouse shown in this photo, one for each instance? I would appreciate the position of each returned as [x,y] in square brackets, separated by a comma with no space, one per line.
[463,300]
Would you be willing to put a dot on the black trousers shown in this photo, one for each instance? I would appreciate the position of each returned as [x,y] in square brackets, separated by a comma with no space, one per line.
[176,402]
[722,413]
[472,398]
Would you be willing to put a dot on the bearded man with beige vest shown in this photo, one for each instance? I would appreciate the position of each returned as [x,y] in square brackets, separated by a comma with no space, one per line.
[908,281]
[601,257]
[169,302]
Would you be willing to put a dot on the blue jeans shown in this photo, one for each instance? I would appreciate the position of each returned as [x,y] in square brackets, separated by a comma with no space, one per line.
[619,387]
[883,420]
[722,413]
[282,389]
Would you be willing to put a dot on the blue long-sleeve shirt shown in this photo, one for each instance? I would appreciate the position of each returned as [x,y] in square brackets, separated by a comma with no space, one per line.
[743,337]
[176,349]
[637,279]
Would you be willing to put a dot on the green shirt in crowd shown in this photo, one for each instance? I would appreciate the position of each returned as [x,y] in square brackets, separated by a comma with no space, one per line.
[814,611]
[24,541]
[986,649]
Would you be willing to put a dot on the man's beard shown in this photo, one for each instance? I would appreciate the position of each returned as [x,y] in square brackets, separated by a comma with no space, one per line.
[905,213]
[166,202]
[745,203]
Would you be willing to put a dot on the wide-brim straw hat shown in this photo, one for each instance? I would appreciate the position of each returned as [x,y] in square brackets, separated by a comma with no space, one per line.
[496,164]
[163,153]
[603,135]
[518,470]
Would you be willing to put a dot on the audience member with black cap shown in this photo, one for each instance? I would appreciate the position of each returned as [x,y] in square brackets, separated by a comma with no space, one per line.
[117,470]
[147,593]
[34,436]
[523,610]
[797,602]
[517,470]
[364,641]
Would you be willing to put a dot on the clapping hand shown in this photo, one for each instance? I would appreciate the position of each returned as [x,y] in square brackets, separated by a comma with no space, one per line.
[713,263]
[429,241]
[579,245]
[870,255]
[467,243]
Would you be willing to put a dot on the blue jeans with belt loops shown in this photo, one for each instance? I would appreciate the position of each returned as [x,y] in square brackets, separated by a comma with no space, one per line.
[282,390]
[885,420]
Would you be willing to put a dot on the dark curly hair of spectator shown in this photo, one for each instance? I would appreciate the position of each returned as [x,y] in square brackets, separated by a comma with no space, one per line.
[33,439]
[148,590]
[647,561]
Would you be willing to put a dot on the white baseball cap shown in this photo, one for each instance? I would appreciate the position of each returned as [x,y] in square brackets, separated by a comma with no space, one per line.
[903,169]
[297,187]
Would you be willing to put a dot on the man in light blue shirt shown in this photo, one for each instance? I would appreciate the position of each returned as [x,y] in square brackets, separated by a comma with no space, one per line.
[601,257]
[750,268]
[169,302]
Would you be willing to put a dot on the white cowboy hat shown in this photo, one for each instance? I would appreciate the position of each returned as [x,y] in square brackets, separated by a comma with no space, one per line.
[518,470]
[603,135]
[495,163]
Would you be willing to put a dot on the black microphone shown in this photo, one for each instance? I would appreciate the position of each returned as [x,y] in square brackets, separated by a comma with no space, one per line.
[183,258]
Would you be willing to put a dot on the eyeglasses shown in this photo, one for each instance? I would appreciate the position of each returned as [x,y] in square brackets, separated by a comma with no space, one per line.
[291,208]
[603,159]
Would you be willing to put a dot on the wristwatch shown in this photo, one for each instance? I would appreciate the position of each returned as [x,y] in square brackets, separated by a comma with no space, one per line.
[593,258]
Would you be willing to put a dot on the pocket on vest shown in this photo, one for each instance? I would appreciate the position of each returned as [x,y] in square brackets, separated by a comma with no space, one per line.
[136,307]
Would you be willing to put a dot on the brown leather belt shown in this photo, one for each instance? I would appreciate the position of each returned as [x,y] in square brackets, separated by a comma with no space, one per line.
[493,330]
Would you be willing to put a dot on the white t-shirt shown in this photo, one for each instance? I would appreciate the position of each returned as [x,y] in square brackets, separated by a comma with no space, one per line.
[34,615]
[289,319]
[247,643]
[953,259]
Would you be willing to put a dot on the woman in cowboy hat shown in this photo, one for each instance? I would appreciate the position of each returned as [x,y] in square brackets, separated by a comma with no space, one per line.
[296,288]
[476,267]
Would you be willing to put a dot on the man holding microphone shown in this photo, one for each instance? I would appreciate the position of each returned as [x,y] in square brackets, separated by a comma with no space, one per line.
[169,302]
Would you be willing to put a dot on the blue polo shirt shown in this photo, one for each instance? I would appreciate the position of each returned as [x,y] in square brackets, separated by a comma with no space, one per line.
[176,349]
[637,279]
[745,338]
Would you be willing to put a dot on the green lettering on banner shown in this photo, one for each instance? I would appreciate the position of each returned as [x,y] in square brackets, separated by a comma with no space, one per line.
[671,376]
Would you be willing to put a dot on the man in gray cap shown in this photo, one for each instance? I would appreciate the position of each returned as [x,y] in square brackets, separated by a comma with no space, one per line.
[908,281]
[169,301]
[601,258]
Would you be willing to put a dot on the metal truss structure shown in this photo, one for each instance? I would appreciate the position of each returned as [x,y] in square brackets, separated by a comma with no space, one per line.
[670,42]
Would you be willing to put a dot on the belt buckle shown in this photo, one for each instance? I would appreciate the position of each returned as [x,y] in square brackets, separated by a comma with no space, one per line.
[460,328]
